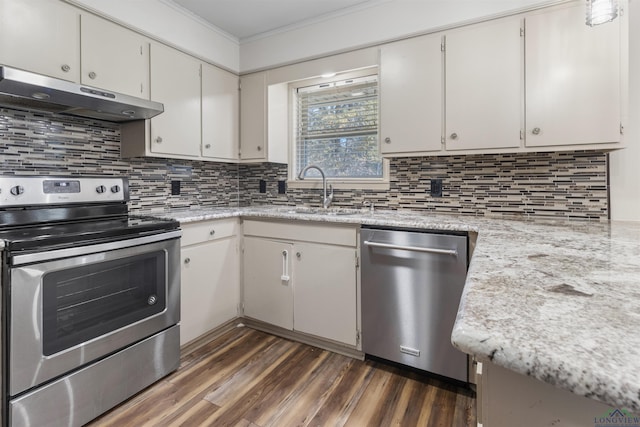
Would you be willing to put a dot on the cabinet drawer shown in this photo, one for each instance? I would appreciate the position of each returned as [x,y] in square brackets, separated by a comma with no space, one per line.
[344,235]
[206,231]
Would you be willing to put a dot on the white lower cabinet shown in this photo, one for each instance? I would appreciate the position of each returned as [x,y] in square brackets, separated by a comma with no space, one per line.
[325,291]
[267,288]
[302,277]
[210,291]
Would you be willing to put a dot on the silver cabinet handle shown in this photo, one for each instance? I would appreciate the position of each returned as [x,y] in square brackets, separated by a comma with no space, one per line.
[412,248]
[207,146]
[535,131]
[387,140]
[212,232]
[285,267]
[66,68]
[187,260]
[298,255]
[454,136]
[259,148]
[159,140]
[92,75]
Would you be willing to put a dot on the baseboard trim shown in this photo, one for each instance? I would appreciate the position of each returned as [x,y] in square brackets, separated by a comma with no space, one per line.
[329,345]
[207,337]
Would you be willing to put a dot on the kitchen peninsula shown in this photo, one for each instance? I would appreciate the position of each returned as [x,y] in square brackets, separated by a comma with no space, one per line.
[551,300]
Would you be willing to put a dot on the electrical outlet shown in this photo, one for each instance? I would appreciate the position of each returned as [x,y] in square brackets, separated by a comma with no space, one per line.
[436,187]
[282,187]
[263,186]
[175,188]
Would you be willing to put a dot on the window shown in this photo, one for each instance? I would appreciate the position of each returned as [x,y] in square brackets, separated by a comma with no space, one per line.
[336,128]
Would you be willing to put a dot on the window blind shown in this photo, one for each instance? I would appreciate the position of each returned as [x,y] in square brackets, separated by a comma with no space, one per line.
[337,128]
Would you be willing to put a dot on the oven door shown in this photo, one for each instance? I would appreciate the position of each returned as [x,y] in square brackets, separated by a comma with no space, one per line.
[73,306]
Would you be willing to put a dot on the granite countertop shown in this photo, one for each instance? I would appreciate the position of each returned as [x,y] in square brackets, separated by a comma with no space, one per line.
[556,300]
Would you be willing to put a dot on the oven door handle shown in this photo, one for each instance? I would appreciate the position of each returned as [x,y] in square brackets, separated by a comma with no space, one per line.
[90,249]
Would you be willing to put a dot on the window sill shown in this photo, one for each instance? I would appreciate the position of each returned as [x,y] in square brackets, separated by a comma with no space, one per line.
[340,184]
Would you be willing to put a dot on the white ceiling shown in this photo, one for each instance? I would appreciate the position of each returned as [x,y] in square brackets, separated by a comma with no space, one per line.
[248,18]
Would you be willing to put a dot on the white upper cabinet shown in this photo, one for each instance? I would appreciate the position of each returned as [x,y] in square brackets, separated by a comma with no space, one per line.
[175,81]
[113,57]
[41,36]
[573,80]
[484,86]
[220,114]
[411,96]
[253,116]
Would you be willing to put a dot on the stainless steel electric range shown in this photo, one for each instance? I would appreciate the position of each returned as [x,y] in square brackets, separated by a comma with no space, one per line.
[90,298]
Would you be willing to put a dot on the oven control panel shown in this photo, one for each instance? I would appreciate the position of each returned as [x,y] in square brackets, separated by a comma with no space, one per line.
[55,190]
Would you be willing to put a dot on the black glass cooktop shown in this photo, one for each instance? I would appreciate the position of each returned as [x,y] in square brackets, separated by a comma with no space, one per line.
[58,235]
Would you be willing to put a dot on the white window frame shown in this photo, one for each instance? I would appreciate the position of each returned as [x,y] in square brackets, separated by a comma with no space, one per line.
[337,183]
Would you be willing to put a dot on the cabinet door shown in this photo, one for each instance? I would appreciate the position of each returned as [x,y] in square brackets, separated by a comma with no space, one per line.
[411,96]
[220,113]
[325,292]
[484,86]
[210,291]
[267,291]
[572,79]
[113,57]
[253,116]
[175,81]
[41,36]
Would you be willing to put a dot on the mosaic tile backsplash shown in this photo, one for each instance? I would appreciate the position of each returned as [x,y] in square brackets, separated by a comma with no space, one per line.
[567,184]
[33,143]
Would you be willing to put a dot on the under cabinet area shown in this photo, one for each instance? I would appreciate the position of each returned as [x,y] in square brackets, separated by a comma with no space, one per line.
[302,277]
[210,290]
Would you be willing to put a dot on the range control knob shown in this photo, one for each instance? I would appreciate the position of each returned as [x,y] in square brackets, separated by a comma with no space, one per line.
[17,190]
[115,189]
[101,189]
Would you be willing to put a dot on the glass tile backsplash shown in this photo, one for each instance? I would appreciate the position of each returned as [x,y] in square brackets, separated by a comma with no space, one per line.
[562,184]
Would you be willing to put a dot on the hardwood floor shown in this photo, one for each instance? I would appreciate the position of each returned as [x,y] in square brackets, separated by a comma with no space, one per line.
[247,378]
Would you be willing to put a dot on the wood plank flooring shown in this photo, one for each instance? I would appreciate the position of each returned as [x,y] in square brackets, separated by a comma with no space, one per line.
[247,378]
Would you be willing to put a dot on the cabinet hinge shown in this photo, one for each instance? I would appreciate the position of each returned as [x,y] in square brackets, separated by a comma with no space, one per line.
[521,31]
[442,141]
[521,134]
[443,46]
[357,260]
[357,337]
[141,51]
[621,129]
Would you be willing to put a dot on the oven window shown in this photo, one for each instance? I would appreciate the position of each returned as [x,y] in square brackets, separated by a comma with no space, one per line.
[88,301]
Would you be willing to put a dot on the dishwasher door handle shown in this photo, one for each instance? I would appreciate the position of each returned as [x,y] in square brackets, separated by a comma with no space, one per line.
[412,248]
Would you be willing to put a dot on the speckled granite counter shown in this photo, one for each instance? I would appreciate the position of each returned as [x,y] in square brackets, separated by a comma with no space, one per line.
[555,300]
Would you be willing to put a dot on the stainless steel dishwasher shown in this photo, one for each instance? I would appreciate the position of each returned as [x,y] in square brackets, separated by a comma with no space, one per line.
[411,287]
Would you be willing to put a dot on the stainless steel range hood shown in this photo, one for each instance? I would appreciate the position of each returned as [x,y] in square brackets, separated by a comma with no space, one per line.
[22,89]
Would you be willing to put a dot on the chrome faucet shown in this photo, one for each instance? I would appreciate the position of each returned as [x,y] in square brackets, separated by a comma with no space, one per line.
[326,201]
